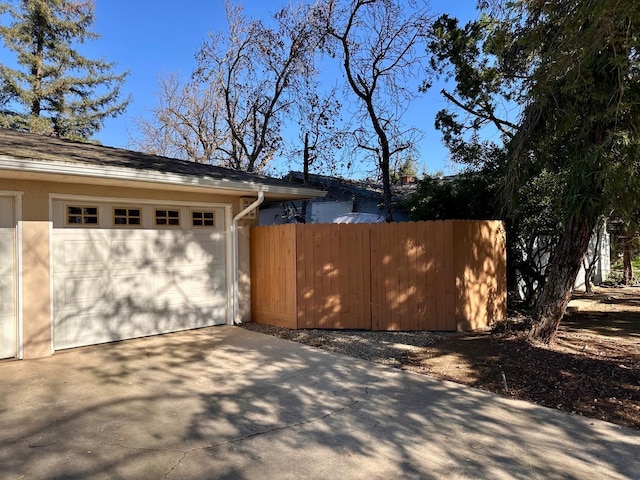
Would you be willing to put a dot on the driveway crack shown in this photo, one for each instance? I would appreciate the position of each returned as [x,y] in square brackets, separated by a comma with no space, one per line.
[185,453]
[289,425]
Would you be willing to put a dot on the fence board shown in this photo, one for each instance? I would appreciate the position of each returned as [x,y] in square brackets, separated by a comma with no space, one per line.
[401,242]
[443,275]
[273,276]
[422,268]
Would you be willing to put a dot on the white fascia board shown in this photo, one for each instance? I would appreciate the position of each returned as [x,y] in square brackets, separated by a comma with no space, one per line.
[117,174]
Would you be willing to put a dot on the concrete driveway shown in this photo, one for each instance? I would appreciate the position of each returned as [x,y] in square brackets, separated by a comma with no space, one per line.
[224,402]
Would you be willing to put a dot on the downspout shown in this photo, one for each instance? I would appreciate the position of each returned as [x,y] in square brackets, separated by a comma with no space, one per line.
[234,257]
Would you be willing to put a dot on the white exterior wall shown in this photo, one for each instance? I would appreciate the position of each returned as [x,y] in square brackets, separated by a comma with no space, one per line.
[601,271]
[603,263]
[327,212]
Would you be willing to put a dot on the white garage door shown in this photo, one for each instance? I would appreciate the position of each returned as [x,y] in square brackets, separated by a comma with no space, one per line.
[125,271]
[7,278]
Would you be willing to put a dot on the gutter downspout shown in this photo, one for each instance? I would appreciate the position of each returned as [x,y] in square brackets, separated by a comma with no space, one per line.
[234,257]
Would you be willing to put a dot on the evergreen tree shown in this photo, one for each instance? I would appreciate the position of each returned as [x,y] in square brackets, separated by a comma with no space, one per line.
[572,71]
[55,90]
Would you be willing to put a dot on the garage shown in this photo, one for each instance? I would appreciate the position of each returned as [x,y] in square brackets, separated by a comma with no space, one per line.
[8,321]
[100,244]
[131,269]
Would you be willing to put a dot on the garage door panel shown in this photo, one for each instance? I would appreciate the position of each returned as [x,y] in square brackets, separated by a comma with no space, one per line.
[74,254]
[209,252]
[172,289]
[117,283]
[134,285]
[74,328]
[191,288]
[133,252]
[131,323]
[7,279]
[80,290]
[6,294]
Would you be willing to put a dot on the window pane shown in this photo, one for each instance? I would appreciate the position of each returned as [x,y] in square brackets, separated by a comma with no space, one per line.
[134,212]
[120,211]
[134,221]
[90,211]
[208,214]
[174,221]
[74,210]
[161,221]
[120,221]
[92,220]
[173,213]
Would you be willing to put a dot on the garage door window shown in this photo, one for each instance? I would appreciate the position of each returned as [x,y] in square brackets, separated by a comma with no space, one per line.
[168,218]
[201,218]
[127,216]
[82,215]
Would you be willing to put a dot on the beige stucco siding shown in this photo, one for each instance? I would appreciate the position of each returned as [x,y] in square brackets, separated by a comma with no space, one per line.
[244,271]
[35,245]
[36,289]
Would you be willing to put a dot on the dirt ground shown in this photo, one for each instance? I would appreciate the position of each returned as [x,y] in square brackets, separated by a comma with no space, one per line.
[593,369]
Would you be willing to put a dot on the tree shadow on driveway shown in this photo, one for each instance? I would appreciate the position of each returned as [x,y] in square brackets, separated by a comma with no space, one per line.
[224,402]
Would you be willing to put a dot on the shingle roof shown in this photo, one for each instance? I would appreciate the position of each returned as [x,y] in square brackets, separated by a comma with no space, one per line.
[28,146]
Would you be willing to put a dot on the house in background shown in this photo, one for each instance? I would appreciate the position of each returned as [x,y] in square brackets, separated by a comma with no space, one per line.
[100,244]
[346,201]
[598,253]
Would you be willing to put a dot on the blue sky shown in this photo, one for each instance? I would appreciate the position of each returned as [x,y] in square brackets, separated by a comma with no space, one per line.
[153,38]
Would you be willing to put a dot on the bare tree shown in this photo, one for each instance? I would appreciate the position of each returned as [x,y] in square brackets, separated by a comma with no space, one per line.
[255,68]
[187,123]
[231,111]
[377,41]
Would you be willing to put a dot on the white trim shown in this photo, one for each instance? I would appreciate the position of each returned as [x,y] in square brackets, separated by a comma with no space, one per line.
[235,255]
[113,173]
[19,287]
[17,271]
[228,228]
[51,292]
[137,201]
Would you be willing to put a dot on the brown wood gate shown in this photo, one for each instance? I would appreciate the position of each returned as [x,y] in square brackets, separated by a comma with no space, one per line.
[443,275]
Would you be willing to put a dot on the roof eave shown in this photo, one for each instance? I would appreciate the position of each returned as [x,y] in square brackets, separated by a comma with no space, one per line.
[120,174]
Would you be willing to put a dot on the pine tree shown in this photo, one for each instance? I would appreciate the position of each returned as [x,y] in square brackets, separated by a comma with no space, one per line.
[55,90]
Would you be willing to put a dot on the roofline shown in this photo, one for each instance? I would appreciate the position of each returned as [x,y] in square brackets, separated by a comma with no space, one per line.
[9,163]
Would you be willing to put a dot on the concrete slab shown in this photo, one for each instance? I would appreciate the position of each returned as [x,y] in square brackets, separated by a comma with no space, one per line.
[224,402]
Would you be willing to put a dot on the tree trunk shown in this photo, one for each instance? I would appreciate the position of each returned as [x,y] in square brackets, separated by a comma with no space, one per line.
[306,161]
[627,276]
[562,271]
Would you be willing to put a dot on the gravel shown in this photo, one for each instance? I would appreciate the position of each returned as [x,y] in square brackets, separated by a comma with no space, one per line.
[387,348]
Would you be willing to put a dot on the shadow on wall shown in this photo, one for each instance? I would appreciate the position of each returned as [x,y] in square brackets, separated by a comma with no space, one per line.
[439,275]
[111,284]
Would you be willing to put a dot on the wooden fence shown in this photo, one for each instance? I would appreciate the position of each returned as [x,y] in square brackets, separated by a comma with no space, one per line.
[444,275]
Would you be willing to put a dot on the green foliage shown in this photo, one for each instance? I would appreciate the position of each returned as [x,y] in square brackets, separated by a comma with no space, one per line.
[570,71]
[55,90]
[467,196]
[407,167]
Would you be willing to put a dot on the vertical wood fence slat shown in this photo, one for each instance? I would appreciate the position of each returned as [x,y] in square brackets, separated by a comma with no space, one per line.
[273,276]
[421,275]
[443,275]
[449,279]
